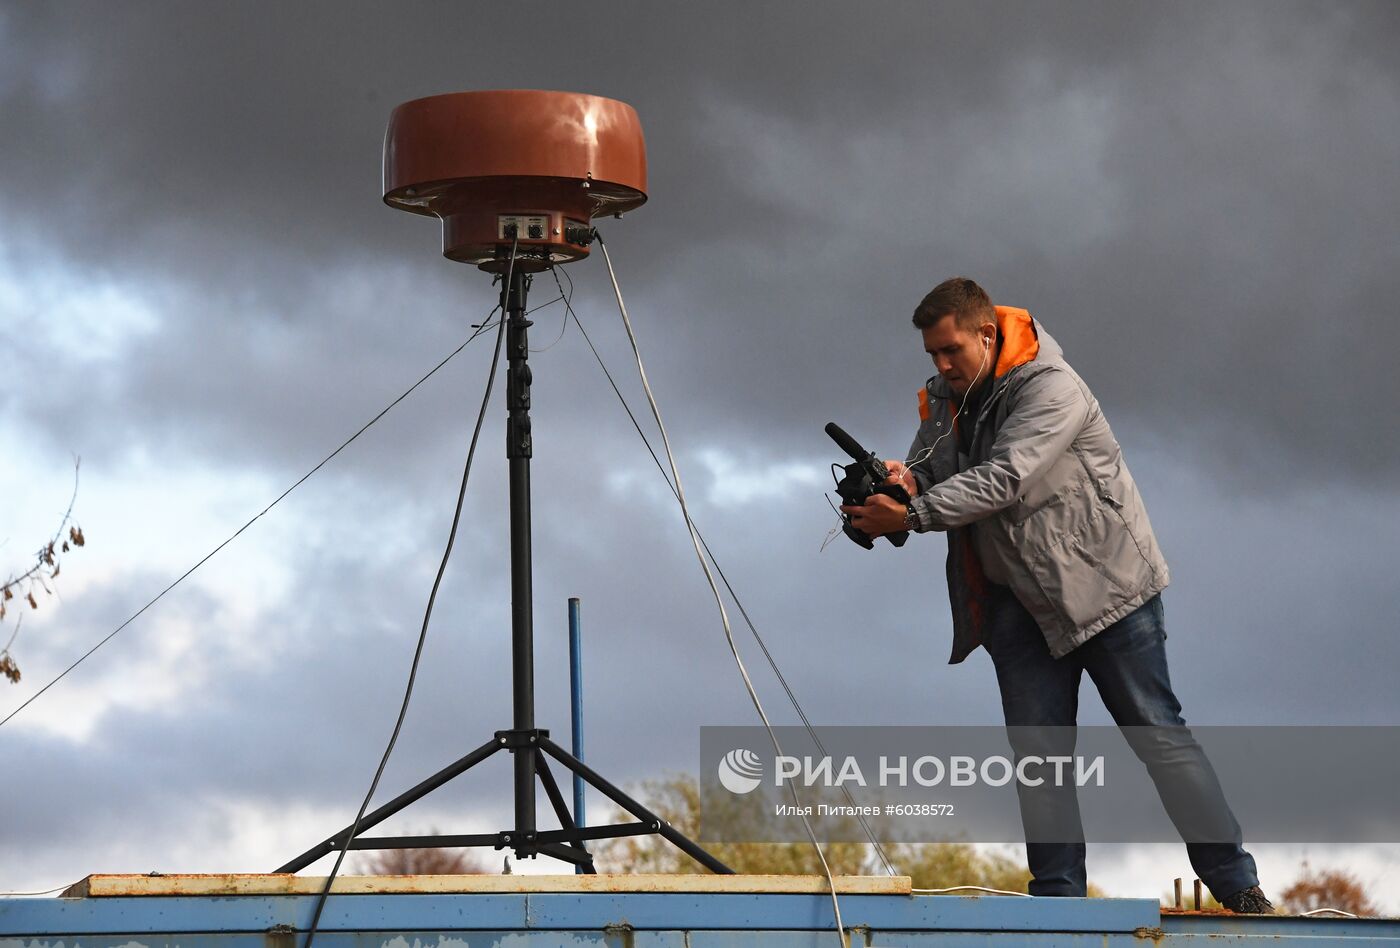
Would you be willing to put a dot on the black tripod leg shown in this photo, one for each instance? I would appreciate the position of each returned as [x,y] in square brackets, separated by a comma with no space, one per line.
[561,810]
[579,857]
[394,805]
[661,827]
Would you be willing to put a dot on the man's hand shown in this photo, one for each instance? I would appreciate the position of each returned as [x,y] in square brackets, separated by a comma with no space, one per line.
[879,515]
[901,475]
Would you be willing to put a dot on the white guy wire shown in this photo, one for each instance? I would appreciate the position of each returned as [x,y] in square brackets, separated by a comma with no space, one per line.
[709,577]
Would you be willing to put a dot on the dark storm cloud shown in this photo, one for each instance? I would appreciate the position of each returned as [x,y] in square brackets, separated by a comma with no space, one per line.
[1192,198]
[1198,201]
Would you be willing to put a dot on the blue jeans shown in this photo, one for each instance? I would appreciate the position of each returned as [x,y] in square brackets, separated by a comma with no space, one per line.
[1128,664]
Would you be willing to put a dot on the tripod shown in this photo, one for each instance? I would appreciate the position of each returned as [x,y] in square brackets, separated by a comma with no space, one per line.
[530,746]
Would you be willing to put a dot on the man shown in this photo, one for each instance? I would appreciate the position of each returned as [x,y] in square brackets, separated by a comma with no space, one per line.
[1054,569]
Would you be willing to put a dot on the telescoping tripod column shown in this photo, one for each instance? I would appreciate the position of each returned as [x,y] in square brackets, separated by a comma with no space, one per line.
[529,745]
[519,450]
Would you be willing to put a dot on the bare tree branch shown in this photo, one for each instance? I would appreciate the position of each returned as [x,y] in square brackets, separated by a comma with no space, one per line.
[46,567]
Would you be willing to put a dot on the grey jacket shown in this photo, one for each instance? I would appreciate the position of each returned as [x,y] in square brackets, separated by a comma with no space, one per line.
[1057,512]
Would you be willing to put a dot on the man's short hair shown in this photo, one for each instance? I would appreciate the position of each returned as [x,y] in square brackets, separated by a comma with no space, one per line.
[968,302]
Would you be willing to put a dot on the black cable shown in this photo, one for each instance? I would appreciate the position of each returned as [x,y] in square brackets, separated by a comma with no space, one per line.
[562,326]
[210,555]
[427,613]
[535,309]
[763,646]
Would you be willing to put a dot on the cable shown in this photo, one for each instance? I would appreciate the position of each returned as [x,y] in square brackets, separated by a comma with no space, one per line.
[709,577]
[427,613]
[979,888]
[724,579]
[763,646]
[835,531]
[563,326]
[210,555]
[13,895]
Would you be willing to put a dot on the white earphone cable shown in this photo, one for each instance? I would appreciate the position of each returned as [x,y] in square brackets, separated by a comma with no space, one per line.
[928,452]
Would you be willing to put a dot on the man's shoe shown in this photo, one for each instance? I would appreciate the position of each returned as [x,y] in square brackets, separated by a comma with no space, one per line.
[1249,901]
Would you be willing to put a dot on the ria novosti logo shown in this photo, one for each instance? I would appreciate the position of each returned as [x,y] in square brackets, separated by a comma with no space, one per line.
[740,771]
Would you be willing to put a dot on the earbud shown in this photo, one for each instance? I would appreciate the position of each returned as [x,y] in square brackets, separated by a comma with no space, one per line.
[986,342]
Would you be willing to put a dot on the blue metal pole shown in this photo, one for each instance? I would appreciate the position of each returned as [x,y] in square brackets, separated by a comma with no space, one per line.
[576,703]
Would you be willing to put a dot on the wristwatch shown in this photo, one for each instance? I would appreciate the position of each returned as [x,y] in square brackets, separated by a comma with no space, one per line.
[911,518]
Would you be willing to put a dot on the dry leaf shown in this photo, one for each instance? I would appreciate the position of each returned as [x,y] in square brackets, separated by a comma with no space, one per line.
[32,603]
[9,669]
[76,535]
[8,594]
[55,570]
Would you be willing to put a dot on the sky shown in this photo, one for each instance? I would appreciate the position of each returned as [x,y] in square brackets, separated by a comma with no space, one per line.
[202,295]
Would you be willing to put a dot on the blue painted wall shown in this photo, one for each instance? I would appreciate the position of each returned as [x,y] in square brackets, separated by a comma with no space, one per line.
[645,920]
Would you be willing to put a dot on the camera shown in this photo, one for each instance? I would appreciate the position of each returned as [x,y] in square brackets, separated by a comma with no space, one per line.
[864,478]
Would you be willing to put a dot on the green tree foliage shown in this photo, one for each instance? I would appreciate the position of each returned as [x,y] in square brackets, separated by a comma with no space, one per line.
[677,799]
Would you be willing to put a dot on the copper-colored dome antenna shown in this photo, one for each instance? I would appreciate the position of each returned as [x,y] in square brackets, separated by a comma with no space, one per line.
[520,165]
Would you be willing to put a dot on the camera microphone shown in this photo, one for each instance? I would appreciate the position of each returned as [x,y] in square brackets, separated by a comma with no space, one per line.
[845,442]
